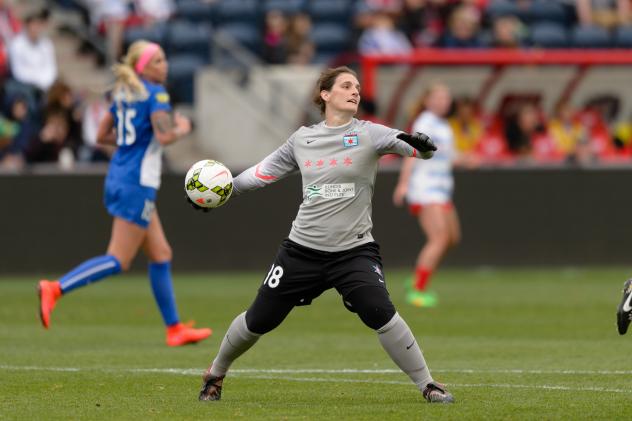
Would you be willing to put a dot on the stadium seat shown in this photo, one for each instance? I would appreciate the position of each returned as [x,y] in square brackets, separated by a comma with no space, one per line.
[194,11]
[244,11]
[590,37]
[187,37]
[330,37]
[246,34]
[549,35]
[547,11]
[500,8]
[181,80]
[288,7]
[623,37]
[330,10]
[156,33]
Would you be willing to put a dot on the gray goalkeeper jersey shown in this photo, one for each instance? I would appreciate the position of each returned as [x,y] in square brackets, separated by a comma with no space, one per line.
[338,167]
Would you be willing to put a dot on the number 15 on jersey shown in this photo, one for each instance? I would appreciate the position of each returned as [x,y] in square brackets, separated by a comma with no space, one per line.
[125,130]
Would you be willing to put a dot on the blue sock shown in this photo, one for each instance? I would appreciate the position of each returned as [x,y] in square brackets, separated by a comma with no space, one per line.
[89,271]
[160,277]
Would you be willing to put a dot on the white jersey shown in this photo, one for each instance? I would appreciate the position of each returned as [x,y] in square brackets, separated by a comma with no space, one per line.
[338,167]
[431,181]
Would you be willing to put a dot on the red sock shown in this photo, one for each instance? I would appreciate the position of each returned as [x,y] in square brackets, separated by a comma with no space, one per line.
[422,278]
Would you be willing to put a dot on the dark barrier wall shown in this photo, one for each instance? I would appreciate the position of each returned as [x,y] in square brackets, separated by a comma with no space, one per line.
[509,217]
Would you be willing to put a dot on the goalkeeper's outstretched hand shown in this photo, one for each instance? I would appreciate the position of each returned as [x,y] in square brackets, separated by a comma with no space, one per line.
[419,141]
[194,206]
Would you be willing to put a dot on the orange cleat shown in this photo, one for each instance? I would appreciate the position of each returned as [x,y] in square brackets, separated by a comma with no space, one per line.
[182,334]
[49,292]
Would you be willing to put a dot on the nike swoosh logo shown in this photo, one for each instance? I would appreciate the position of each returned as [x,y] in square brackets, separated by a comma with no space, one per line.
[381,280]
[626,305]
[408,347]
[311,141]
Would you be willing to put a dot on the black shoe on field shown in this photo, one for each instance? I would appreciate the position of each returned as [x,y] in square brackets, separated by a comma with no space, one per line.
[624,312]
[211,388]
[437,393]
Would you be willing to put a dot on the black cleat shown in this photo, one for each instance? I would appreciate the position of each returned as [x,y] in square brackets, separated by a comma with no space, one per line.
[437,393]
[211,388]
[624,312]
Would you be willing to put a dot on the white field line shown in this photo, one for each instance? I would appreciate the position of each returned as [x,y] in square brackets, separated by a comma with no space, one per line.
[199,371]
[479,385]
[264,374]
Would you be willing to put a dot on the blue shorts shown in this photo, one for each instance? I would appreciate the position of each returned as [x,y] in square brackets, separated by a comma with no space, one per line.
[135,204]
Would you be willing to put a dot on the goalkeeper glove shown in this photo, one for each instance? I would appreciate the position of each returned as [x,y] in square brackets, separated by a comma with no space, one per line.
[420,142]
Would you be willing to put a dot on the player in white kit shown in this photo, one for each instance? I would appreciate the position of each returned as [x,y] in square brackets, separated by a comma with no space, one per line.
[427,187]
[330,244]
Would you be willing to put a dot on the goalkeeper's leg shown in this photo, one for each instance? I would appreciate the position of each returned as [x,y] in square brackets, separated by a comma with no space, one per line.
[264,315]
[376,310]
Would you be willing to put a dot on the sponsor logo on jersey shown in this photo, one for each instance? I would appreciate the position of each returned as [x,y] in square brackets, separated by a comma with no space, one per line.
[162,97]
[349,140]
[329,191]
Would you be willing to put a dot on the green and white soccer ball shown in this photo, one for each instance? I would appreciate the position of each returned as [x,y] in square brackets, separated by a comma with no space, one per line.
[208,183]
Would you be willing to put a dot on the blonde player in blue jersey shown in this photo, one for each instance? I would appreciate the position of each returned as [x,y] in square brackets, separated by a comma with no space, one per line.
[330,244]
[427,187]
[139,124]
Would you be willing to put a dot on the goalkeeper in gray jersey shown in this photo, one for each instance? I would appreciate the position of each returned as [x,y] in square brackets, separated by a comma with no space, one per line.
[330,244]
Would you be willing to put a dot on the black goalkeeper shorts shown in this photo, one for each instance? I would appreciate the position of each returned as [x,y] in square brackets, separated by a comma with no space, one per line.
[299,274]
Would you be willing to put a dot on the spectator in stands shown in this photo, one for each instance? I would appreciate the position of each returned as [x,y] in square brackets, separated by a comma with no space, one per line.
[382,37]
[109,17]
[61,100]
[152,11]
[422,21]
[605,13]
[521,126]
[10,26]
[463,28]
[26,128]
[32,53]
[275,38]
[53,137]
[567,133]
[466,126]
[508,32]
[8,130]
[300,48]
[93,112]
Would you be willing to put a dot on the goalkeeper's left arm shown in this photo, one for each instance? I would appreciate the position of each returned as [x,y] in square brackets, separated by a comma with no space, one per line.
[279,164]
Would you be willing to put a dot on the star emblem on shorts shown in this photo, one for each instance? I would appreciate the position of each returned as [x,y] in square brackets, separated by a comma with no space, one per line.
[377,270]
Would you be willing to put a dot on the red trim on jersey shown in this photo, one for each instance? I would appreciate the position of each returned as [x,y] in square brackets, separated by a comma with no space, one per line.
[263,177]
[414,152]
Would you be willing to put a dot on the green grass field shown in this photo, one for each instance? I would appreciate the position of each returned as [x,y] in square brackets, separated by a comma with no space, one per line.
[511,344]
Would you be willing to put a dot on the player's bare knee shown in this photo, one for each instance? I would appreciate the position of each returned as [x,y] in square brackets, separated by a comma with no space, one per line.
[161,254]
[165,254]
[440,242]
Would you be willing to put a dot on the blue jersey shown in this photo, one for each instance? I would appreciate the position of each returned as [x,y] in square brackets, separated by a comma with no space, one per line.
[138,159]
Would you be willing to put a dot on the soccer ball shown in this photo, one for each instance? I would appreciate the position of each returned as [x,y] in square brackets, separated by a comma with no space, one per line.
[208,183]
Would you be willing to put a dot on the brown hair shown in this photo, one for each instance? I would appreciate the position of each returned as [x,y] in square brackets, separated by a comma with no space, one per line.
[326,82]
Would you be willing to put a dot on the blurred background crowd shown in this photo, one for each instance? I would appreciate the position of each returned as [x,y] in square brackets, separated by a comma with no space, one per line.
[45,118]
